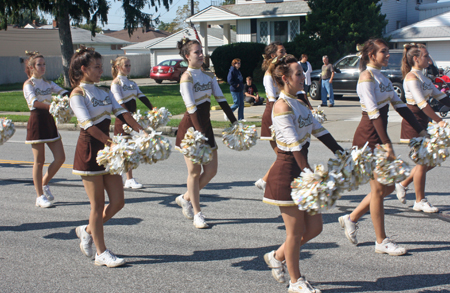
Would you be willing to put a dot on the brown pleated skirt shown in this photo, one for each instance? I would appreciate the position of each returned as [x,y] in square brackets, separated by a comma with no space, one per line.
[203,117]
[85,163]
[408,131]
[41,128]
[266,122]
[118,125]
[366,131]
[282,173]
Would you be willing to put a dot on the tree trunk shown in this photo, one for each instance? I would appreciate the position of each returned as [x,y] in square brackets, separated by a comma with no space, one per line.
[65,38]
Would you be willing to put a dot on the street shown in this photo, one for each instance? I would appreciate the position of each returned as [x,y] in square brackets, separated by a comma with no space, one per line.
[165,253]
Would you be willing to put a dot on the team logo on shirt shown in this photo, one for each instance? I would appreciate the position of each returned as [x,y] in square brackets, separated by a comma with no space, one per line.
[303,122]
[40,92]
[128,87]
[96,102]
[386,88]
[202,87]
[427,86]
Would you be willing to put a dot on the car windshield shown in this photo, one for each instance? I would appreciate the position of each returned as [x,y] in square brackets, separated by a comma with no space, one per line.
[349,62]
[168,63]
[395,61]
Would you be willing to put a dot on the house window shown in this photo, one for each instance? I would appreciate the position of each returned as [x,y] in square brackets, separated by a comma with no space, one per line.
[113,47]
[399,24]
[279,31]
[294,28]
[264,32]
[419,2]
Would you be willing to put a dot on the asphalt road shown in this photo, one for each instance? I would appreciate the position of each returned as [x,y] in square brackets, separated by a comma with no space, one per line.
[39,251]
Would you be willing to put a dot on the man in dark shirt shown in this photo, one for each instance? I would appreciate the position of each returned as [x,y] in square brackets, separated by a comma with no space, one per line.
[251,93]
[327,82]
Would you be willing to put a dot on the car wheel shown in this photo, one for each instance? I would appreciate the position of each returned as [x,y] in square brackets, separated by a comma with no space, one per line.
[314,90]
[443,114]
[158,81]
[398,88]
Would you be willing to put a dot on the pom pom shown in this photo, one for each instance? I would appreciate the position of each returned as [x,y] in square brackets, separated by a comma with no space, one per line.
[151,148]
[389,172]
[194,147]
[7,130]
[60,109]
[428,151]
[239,137]
[316,191]
[319,115]
[151,119]
[352,167]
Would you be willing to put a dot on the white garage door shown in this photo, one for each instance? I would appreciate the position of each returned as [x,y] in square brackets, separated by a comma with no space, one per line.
[162,55]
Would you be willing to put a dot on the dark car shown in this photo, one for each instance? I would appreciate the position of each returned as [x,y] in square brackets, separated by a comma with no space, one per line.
[347,73]
[168,70]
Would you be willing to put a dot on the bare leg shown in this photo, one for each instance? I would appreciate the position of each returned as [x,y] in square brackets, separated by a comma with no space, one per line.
[114,189]
[420,177]
[58,159]
[411,177]
[38,164]
[378,192]
[361,209]
[130,175]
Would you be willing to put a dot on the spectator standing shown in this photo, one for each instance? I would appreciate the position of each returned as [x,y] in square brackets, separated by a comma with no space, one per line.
[307,69]
[327,82]
[236,82]
[251,93]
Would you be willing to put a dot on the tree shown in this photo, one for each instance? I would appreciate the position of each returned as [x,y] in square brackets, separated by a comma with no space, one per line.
[88,27]
[93,11]
[335,27]
[26,16]
[168,26]
[184,12]
[228,2]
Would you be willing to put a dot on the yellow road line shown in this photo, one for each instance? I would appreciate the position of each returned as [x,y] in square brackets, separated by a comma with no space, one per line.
[14,162]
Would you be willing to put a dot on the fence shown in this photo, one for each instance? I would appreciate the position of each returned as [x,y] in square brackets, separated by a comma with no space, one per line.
[14,67]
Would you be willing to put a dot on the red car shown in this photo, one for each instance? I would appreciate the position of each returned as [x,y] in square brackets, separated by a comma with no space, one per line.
[168,70]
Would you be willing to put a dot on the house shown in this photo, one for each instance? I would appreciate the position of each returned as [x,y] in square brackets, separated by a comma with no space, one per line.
[138,35]
[105,45]
[165,48]
[140,48]
[434,32]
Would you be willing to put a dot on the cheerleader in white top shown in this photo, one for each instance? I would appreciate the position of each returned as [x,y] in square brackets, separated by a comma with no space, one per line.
[93,107]
[41,127]
[418,90]
[196,88]
[273,50]
[294,124]
[125,92]
[375,92]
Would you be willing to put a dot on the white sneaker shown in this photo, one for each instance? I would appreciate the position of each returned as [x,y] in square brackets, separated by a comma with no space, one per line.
[401,192]
[390,247]
[43,202]
[107,258]
[350,228]
[425,206]
[278,268]
[86,241]
[47,193]
[199,221]
[302,286]
[188,210]
[225,117]
[132,183]
[261,184]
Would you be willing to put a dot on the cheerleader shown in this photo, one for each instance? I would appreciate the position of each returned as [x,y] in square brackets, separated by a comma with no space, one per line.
[41,127]
[418,90]
[294,124]
[125,92]
[275,49]
[375,91]
[196,88]
[93,107]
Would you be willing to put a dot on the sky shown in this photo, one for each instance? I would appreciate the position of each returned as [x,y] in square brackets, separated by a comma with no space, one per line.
[115,15]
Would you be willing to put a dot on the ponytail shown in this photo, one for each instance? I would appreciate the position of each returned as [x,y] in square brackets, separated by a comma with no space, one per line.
[409,52]
[279,67]
[31,62]
[82,57]
[115,64]
[370,47]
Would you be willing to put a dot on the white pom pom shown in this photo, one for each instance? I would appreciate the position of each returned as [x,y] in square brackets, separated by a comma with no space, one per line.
[194,147]
[7,130]
[60,109]
[239,136]
[389,172]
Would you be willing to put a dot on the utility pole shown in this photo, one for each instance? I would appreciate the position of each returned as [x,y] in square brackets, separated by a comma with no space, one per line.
[192,7]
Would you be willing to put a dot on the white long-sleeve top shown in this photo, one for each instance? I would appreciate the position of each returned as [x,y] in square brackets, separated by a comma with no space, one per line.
[307,73]
[95,105]
[41,90]
[419,89]
[198,89]
[376,92]
[125,90]
[293,128]
[272,91]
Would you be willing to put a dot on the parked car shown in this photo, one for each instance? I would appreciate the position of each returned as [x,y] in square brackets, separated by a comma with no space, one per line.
[168,70]
[347,74]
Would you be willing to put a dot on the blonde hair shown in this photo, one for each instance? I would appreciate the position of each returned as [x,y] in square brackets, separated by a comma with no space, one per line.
[409,52]
[118,62]
[31,62]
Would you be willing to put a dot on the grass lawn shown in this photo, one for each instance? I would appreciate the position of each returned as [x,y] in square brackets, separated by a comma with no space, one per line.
[160,96]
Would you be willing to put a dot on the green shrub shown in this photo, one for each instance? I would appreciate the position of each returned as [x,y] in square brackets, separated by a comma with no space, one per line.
[249,53]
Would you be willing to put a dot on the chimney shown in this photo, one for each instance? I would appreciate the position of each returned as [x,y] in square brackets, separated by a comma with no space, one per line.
[55,24]
[34,22]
